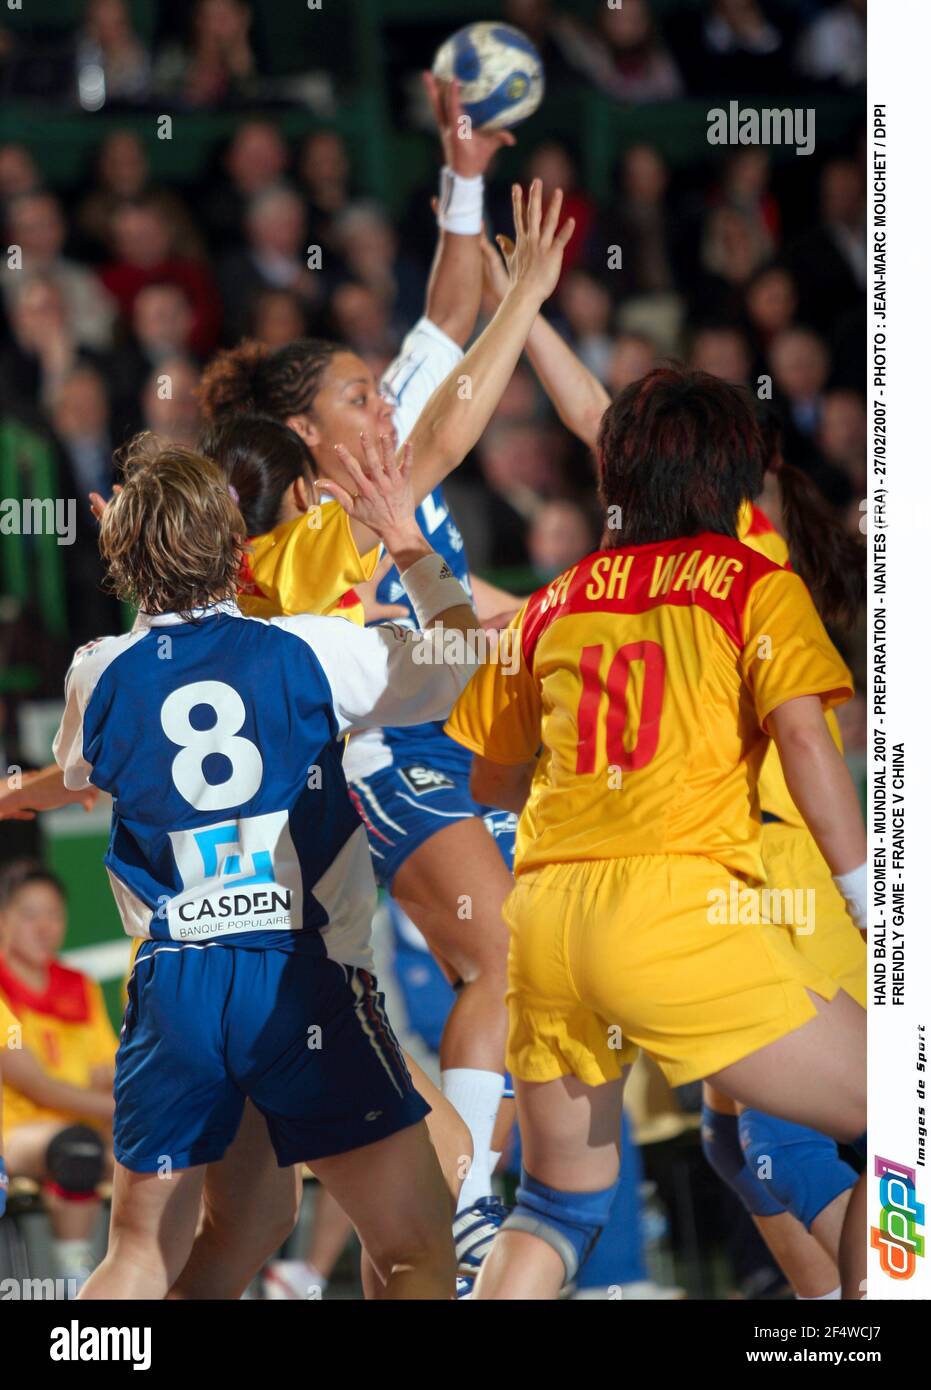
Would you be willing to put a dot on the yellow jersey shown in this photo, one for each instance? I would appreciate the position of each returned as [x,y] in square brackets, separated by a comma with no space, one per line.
[66,1026]
[756,530]
[645,680]
[306,565]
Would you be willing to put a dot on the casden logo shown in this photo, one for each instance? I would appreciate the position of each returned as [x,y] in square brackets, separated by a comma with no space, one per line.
[896,1237]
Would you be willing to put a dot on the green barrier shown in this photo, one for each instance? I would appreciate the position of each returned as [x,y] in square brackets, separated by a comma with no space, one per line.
[28,469]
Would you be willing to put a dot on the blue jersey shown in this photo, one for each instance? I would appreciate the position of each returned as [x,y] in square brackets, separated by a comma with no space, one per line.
[220,743]
[426,359]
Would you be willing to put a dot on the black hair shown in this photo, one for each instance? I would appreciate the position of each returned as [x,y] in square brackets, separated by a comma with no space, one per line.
[261,459]
[19,873]
[680,451]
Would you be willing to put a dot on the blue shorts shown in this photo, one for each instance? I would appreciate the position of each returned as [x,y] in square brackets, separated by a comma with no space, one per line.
[302,1037]
[405,804]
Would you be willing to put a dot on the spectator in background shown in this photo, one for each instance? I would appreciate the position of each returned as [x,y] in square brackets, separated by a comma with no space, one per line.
[771,301]
[80,418]
[41,351]
[830,262]
[254,162]
[113,65]
[842,436]
[519,468]
[732,250]
[18,172]
[360,320]
[633,356]
[162,320]
[368,249]
[169,402]
[555,167]
[833,47]
[561,533]
[141,239]
[801,366]
[324,171]
[624,55]
[275,258]
[745,188]
[724,352]
[123,176]
[640,222]
[36,225]
[732,46]
[216,65]
[278,317]
[585,305]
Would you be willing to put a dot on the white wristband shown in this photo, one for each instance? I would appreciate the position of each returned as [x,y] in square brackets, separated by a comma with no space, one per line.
[460,203]
[432,587]
[853,889]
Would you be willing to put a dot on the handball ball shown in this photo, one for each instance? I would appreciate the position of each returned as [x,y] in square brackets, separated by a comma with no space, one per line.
[499,72]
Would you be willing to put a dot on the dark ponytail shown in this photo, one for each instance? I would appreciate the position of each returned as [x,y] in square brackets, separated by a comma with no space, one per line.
[823,553]
[261,458]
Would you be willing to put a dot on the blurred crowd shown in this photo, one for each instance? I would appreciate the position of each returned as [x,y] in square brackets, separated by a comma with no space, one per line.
[123,286]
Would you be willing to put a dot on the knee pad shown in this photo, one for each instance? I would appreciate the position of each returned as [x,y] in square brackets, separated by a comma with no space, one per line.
[75,1162]
[802,1167]
[570,1222]
[4,1184]
[720,1142]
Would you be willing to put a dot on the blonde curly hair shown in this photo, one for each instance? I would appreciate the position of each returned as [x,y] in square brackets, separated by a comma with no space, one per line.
[172,537]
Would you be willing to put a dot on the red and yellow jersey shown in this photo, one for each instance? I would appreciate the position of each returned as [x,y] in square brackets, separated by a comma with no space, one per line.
[756,530]
[645,682]
[306,565]
[66,1026]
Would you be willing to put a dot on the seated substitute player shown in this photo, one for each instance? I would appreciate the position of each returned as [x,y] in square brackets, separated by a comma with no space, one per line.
[631,740]
[238,856]
[809,1183]
[58,1056]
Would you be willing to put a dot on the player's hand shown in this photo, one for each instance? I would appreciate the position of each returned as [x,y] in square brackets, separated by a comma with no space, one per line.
[382,496]
[538,251]
[17,805]
[99,504]
[367,594]
[467,149]
[495,276]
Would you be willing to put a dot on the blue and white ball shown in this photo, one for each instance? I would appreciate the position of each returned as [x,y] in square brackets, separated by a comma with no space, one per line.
[499,72]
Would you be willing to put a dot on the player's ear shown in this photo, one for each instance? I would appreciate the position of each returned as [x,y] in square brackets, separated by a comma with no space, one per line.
[300,494]
[301,425]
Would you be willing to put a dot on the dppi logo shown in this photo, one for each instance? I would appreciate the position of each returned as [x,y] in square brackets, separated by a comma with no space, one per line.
[896,1237]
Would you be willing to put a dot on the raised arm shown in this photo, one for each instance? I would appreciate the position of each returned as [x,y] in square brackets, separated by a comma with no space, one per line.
[454,290]
[460,408]
[823,790]
[578,397]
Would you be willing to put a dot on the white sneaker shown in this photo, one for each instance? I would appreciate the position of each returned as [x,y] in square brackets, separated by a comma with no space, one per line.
[288,1279]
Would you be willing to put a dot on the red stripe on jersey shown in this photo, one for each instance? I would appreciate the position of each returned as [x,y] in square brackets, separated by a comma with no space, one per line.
[65,997]
[623,580]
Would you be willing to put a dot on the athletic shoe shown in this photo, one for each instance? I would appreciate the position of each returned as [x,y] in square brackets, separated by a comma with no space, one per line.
[473,1231]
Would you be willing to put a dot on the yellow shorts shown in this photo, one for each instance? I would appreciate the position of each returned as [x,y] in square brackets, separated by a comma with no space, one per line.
[825,935]
[608,956]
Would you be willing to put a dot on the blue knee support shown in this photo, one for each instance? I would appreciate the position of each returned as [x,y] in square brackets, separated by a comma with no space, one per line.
[570,1222]
[802,1167]
[720,1143]
[4,1184]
